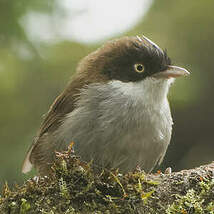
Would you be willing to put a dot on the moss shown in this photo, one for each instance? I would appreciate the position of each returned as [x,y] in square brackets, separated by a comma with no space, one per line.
[76,187]
[24,207]
[197,202]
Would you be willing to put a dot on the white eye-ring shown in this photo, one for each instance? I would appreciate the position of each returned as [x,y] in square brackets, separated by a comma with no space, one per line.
[139,68]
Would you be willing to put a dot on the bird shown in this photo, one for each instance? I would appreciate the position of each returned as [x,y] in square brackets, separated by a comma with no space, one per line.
[115,109]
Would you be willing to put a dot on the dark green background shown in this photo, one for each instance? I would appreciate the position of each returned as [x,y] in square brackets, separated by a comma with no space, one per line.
[28,85]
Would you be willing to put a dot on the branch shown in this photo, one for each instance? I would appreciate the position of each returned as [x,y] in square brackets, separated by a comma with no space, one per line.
[75,187]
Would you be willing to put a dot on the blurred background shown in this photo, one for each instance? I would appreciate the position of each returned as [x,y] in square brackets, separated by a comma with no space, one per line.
[41,43]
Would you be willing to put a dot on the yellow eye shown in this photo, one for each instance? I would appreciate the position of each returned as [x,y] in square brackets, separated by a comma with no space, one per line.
[139,68]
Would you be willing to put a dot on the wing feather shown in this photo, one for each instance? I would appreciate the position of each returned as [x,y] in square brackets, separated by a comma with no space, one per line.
[63,104]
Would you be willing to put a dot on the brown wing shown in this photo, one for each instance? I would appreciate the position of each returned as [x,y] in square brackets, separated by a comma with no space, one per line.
[65,103]
[62,105]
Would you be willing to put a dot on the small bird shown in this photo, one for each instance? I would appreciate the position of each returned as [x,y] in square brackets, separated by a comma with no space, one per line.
[114,109]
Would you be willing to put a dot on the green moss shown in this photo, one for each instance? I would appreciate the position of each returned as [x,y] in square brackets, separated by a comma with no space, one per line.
[197,202]
[64,192]
[24,207]
[76,187]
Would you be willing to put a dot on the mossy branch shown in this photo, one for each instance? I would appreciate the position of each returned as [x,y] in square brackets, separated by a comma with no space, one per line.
[75,187]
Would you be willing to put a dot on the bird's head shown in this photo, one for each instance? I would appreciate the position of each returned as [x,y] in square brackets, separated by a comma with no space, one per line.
[129,59]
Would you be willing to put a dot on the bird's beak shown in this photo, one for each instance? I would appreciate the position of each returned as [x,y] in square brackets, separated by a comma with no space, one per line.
[171,71]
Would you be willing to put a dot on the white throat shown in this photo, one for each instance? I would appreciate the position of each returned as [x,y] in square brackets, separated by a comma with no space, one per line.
[151,91]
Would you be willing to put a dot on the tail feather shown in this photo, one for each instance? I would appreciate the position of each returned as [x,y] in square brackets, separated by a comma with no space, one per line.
[27,165]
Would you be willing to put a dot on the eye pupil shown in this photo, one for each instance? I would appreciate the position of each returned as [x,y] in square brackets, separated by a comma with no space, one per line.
[139,67]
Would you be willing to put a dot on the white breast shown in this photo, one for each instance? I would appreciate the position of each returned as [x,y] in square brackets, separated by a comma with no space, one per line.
[121,124]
